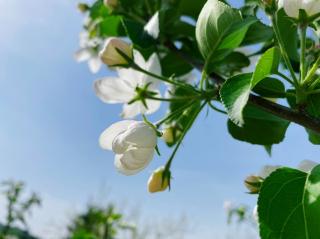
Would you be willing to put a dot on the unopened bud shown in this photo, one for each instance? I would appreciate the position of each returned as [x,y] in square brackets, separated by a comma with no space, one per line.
[110,54]
[111,4]
[159,180]
[168,136]
[83,7]
[253,184]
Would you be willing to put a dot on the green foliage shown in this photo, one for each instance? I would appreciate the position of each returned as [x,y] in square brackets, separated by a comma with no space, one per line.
[235,92]
[219,30]
[17,209]
[289,205]
[254,129]
[98,223]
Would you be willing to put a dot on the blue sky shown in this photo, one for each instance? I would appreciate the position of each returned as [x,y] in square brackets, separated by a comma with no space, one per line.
[51,121]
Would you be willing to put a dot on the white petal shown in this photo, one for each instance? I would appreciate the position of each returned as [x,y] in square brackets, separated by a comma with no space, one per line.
[132,110]
[113,90]
[108,135]
[139,59]
[292,7]
[94,64]
[138,135]
[307,165]
[280,3]
[189,78]
[153,26]
[137,108]
[267,170]
[131,76]
[82,55]
[312,6]
[153,106]
[153,66]
[133,161]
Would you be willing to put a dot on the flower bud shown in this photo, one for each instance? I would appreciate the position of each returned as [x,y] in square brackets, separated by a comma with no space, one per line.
[110,54]
[168,136]
[159,180]
[83,7]
[253,184]
[111,4]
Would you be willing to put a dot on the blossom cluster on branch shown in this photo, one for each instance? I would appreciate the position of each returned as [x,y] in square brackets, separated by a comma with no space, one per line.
[258,64]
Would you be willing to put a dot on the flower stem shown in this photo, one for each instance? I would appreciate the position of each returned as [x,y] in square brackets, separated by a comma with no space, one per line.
[216,109]
[283,76]
[314,92]
[189,125]
[179,111]
[303,36]
[171,99]
[165,79]
[282,49]
[312,71]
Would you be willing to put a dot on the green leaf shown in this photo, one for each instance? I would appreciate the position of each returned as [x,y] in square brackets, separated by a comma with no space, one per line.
[171,64]
[140,39]
[289,205]
[236,90]
[98,10]
[235,95]
[237,33]
[313,108]
[231,64]
[191,8]
[214,23]
[111,26]
[267,65]
[260,127]
[289,34]
[270,88]
[258,33]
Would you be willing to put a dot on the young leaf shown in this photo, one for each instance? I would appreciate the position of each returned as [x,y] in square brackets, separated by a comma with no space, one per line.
[214,22]
[267,65]
[289,205]
[235,94]
[236,90]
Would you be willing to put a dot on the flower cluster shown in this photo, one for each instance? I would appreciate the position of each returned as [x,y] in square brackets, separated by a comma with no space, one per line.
[137,87]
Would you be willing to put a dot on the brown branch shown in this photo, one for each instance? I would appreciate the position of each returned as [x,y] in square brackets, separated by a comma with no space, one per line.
[281,111]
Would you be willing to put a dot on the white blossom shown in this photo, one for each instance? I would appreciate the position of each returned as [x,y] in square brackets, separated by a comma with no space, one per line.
[122,89]
[89,51]
[292,7]
[133,142]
